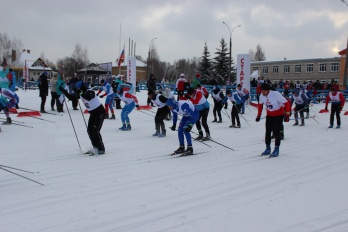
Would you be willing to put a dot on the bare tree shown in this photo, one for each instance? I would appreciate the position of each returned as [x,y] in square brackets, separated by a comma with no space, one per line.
[259,54]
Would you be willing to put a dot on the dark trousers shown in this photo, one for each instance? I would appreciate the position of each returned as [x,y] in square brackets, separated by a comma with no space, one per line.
[43,102]
[159,119]
[203,116]
[217,109]
[118,103]
[335,110]
[53,99]
[59,104]
[74,101]
[299,109]
[234,113]
[273,124]
[95,124]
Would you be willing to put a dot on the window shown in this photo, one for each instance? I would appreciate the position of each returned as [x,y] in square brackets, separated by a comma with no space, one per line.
[334,67]
[275,69]
[264,70]
[297,68]
[310,68]
[255,68]
[322,67]
[286,68]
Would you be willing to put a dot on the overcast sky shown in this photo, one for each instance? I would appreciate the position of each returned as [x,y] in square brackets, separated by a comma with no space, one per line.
[297,29]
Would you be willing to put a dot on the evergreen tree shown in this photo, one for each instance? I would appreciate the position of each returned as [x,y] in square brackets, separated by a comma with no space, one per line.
[205,66]
[221,62]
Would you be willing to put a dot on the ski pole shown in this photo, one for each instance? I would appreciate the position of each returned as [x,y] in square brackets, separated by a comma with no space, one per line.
[36,110]
[313,118]
[17,124]
[241,115]
[227,113]
[41,119]
[214,142]
[199,140]
[17,169]
[22,176]
[81,112]
[73,125]
[12,120]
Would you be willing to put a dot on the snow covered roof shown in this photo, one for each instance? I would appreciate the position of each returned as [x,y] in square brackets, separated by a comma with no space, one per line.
[29,60]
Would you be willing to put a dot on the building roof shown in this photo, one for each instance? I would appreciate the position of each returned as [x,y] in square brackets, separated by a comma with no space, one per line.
[343,52]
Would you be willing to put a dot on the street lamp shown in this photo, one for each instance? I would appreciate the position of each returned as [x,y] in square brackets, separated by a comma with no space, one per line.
[229,67]
[148,59]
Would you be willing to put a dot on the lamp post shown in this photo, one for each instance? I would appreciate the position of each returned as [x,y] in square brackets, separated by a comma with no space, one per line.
[148,59]
[230,61]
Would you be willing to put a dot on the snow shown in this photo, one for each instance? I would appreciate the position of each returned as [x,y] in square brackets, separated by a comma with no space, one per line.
[137,186]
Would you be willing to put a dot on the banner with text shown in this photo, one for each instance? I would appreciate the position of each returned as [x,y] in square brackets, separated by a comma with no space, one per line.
[243,70]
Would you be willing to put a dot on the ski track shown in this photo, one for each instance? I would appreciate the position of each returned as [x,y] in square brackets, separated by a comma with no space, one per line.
[133,188]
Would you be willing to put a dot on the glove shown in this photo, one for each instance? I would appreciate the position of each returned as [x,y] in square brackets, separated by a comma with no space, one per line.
[257,118]
[173,127]
[286,118]
[137,106]
[17,107]
[188,128]
[101,96]
[98,95]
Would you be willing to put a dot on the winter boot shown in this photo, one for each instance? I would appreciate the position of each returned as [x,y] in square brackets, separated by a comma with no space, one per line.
[164,133]
[331,125]
[233,126]
[267,151]
[128,127]
[156,134]
[42,111]
[296,123]
[8,121]
[275,152]
[220,121]
[123,127]
[200,137]
[207,137]
[338,126]
[238,126]
[180,150]
[215,120]
[302,122]
[113,116]
[106,116]
[189,150]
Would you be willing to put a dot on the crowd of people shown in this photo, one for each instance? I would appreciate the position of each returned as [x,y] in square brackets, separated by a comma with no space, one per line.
[192,103]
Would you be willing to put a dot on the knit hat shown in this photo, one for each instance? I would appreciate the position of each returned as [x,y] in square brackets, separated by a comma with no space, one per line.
[265,86]
[216,90]
[182,75]
[228,91]
[198,75]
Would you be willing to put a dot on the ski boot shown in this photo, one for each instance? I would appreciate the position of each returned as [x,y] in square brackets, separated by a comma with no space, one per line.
[180,150]
[215,120]
[302,123]
[220,121]
[156,134]
[162,135]
[338,126]
[275,152]
[113,116]
[207,137]
[8,121]
[189,150]
[123,127]
[331,125]
[238,126]
[233,126]
[296,123]
[200,137]
[128,127]
[267,151]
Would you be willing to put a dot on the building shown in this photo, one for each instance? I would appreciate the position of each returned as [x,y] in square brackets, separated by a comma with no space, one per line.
[323,69]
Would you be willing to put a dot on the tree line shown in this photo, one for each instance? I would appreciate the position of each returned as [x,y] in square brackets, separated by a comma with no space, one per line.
[213,70]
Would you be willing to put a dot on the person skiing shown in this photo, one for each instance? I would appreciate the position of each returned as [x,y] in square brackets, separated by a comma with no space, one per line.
[202,105]
[190,115]
[110,95]
[218,97]
[337,104]
[237,104]
[8,100]
[162,111]
[130,101]
[301,104]
[275,104]
[96,112]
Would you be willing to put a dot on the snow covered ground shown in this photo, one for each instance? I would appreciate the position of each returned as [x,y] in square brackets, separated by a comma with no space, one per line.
[137,186]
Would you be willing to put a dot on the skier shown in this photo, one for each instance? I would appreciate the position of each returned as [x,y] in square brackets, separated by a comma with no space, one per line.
[110,95]
[181,86]
[202,105]
[97,114]
[337,104]
[8,100]
[162,111]
[218,97]
[130,101]
[301,104]
[190,115]
[275,104]
[43,87]
[237,104]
